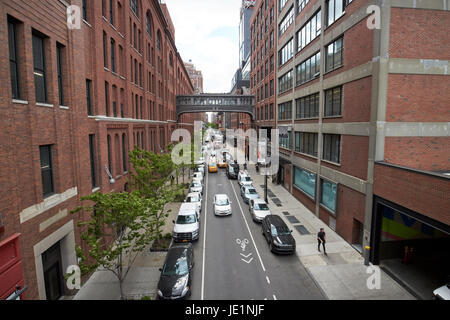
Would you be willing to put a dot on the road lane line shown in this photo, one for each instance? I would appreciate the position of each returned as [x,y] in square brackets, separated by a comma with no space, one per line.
[274,297]
[248,228]
[204,236]
[267,278]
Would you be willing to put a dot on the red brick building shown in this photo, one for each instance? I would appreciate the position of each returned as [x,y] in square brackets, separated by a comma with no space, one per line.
[364,114]
[73,103]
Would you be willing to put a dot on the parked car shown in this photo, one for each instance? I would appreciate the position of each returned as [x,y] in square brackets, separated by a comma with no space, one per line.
[258,209]
[442,293]
[222,205]
[221,163]
[187,207]
[196,186]
[186,226]
[278,235]
[195,197]
[176,273]
[200,168]
[232,171]
[198,175]
[244,179]
[248,192]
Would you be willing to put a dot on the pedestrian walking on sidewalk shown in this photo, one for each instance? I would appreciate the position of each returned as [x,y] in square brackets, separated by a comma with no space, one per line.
[321,240]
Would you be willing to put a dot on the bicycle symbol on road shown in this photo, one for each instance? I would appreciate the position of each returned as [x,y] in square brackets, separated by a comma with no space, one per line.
[243,243]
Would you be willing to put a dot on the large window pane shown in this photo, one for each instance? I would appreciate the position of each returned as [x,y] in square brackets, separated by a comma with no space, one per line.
[305,181]
[328,195]
[46,170]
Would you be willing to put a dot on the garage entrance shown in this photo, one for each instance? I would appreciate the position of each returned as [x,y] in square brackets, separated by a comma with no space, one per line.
[411,247]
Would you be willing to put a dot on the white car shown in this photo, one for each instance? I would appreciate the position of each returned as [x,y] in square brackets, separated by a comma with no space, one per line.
[198,175]
[195,197]
[196,186]
[258,209]
[187,226]
[442,293]
[222,205]
[244,179]
[213,153]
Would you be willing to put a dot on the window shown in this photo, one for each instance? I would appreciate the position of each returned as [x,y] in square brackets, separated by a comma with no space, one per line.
[158,40]
[89,97]
[124,153]
[333,102]
[46,170]
[39,68]
[271,111]
[271,63]
[134,7]
[113,55]
[285,111]
[114,103]
[134,36]
[13,59]
[305,181]
[307,107]
[335,9]
[105,50]
[334,55]
[111,12]
[331,147]
[308,69]
[148,24]
[103,8]
[285,82]
[301,4]
[306,142]
[84,10]
[109,154]
[286,22]
[328,194]
[286,141]
[286,53]
[92,159]
[309,31]
[107,98]
[271,87]
[281,4]
[59,69]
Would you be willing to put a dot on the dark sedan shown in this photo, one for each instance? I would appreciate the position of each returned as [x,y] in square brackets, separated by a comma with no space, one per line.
[278,235]
[176,273]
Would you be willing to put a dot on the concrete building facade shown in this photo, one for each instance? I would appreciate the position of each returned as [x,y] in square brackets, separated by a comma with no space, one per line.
[73,103]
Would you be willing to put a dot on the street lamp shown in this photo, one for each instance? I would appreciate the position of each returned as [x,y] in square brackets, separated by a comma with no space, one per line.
[266,165]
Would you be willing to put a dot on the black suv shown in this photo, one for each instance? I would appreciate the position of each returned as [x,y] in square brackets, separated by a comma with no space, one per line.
[278,235]
[176,273]
[233,171]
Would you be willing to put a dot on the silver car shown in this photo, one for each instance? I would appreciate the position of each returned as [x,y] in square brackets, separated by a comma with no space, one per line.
[222,205]
[196,186]
[249,192]
[258,209]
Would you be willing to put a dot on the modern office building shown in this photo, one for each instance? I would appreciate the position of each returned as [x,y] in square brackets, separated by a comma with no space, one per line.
[75,99]
[363,115]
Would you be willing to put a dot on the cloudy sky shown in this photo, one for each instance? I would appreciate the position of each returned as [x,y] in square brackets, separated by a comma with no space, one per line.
[207,32]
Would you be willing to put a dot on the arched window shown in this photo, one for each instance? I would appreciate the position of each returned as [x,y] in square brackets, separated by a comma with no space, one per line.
[158,40]
[124,153]
[134,7]
[149,24]
[170,59]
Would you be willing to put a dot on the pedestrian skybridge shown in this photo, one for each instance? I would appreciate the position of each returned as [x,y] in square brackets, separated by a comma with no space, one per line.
[216,103]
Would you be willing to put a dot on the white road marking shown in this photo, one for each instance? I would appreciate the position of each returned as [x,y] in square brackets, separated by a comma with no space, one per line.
[204,239]
[267,278]
[248,228]
[274,297]
[246,256]
[248,260]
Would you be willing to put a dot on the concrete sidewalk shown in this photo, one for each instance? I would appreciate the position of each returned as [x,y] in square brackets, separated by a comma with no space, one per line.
[341,274]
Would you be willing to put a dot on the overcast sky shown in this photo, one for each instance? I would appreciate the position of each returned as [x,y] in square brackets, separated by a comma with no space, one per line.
[207,32]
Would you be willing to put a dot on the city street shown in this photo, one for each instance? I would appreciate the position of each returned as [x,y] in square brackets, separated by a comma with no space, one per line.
[232,258]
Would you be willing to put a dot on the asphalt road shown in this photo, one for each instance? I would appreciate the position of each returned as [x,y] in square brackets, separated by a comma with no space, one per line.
[225,269]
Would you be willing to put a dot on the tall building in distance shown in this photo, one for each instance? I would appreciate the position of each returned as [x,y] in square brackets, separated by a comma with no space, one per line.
[74,103]
[195,76]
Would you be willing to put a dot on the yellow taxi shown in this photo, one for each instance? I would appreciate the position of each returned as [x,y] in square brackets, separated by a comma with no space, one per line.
[222,164]
[212,167]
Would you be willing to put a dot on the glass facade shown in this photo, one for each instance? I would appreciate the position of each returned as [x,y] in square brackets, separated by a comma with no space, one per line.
[305,181]
[328,194]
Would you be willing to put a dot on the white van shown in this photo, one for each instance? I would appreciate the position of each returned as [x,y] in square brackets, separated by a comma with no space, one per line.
[187,225]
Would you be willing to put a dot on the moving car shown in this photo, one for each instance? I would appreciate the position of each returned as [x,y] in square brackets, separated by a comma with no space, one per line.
[195,197]
[258,209]
[232,171]
[244,179]
[442,293]
[222,205]
[196,186]
[222,164]
[212,166]
[176,273]
[187,225]
[248,192]
[278,235]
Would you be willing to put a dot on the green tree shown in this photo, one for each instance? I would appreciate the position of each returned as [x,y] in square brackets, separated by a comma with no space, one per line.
[120,226]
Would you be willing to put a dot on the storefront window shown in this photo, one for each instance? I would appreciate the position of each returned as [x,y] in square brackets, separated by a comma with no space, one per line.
[328,195]
[305,181]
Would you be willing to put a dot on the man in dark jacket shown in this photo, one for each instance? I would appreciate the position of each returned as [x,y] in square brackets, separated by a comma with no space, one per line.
[321,240]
